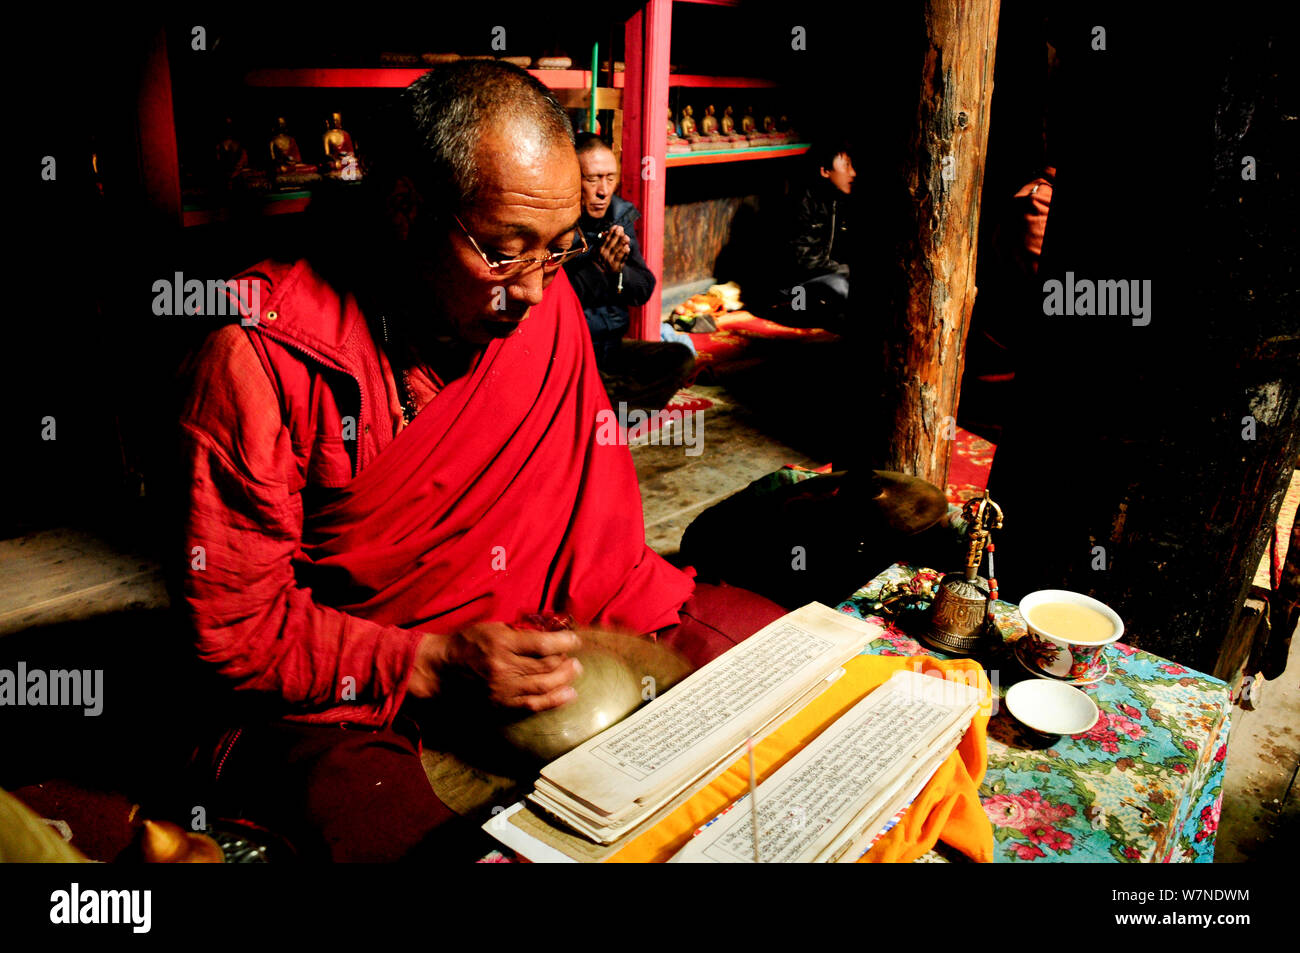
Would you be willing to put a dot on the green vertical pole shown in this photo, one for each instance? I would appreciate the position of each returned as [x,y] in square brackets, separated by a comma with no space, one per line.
[595,66]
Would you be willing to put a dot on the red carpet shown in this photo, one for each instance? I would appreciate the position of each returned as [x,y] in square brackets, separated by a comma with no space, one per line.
[738,329]
[683,402]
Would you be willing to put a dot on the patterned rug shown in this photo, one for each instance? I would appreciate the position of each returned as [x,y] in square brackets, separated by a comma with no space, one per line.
[968,467]
[683,402]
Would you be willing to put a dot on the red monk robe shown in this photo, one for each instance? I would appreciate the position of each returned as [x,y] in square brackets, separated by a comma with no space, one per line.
[497,501]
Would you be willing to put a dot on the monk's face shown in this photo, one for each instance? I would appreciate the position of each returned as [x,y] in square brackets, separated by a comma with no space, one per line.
[599,181]
[527,207]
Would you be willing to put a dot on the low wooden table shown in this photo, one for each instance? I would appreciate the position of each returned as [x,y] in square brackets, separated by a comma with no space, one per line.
[1145,784]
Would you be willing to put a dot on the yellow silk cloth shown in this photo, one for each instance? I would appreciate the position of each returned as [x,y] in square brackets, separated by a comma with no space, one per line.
[947,809]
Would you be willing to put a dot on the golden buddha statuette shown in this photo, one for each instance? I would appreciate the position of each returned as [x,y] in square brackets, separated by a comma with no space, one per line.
[336,141]
[709,124]
[340,153]
[688,123]
[675,142]
[285,156]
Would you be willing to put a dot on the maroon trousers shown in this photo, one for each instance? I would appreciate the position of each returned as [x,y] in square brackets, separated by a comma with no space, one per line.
[340,793]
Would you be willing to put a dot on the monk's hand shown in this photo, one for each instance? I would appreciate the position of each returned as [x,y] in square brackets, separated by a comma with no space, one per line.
[520,668]
[615,249]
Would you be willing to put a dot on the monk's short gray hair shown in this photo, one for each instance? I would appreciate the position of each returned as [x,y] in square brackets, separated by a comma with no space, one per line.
[451,106]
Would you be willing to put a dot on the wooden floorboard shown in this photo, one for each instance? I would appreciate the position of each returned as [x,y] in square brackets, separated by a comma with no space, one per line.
[61,575]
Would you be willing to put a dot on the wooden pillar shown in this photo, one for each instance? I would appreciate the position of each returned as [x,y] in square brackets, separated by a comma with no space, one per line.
[645,147]
[926,334]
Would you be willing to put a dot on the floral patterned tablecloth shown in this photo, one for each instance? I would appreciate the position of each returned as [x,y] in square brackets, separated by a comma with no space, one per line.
[1144,784]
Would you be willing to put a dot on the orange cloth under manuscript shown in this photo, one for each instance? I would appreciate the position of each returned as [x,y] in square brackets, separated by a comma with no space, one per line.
[948,809]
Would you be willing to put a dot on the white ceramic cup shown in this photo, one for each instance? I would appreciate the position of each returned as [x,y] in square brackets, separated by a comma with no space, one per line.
[1044,652]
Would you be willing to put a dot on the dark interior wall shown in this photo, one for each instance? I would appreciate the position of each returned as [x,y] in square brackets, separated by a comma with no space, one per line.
[694,234]
[723,220]
[1130,442]
[88,351]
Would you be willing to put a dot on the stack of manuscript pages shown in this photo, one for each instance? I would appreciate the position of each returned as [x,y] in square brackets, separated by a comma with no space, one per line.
[621,782]
[831,800]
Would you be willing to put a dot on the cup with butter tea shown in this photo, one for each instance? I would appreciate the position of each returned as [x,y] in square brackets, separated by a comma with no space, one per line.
[1066,634]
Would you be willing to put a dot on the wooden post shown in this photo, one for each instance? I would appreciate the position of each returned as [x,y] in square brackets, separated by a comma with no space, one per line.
[645,147]
[926,336]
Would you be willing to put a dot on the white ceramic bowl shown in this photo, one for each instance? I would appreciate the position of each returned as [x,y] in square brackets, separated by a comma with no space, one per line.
[1052,708]
[1045,653]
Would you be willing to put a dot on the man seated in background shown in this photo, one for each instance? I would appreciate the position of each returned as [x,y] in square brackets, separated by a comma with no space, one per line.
[393,464]
[817,241]
[612,277]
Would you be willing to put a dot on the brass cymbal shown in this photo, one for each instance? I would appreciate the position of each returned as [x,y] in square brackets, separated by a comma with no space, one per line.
[899,503]
[907,504]
[619,674]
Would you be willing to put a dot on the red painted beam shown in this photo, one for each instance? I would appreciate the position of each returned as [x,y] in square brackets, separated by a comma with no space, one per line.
[391,77]
[160,166]
[721,82]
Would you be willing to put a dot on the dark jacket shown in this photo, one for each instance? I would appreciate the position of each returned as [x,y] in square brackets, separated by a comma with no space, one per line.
[818,236]
[604,305]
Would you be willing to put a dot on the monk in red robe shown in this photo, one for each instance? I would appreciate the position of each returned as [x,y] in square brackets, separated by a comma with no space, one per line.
[386,476]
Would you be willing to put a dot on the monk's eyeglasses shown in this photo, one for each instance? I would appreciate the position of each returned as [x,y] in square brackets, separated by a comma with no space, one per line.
[509,267]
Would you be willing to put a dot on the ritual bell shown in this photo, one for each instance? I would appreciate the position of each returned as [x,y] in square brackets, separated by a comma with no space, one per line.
[960,618]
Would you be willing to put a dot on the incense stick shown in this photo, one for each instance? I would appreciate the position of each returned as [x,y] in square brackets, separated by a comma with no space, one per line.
[753,796]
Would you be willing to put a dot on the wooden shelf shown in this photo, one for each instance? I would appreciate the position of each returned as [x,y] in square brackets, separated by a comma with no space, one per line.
[395,77]
[699,80]
[710,156]
[282,203]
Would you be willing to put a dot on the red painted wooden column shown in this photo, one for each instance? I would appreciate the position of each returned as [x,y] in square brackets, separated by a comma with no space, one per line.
[160,167]
[645,109]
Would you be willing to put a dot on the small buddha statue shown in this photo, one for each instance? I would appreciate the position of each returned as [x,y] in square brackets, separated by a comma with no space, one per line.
[285,156]
[688,123]
[709,124]
[336,141]
[340,153]
[675,142]
[232,158]
[747,125]
[729,131]
[287,167]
